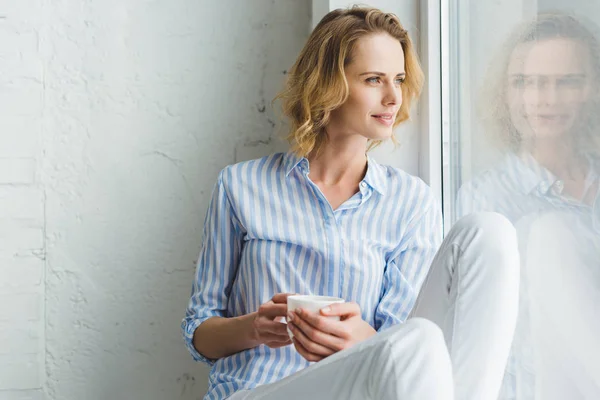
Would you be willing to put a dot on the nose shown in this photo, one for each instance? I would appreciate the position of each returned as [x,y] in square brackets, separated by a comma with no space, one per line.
[550,95]
[392,95]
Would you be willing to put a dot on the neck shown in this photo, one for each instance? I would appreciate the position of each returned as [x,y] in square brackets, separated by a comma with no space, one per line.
[559,157]
[339,163]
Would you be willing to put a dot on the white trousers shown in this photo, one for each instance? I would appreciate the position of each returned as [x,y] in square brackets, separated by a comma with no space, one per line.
[562,292]
[455,344]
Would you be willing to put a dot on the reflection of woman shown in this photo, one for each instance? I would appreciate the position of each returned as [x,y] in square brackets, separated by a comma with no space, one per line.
[544,110]
[326,219]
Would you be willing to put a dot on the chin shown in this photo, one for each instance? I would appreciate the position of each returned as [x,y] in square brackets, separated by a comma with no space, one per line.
[380,134]
[554,135]
[549,132]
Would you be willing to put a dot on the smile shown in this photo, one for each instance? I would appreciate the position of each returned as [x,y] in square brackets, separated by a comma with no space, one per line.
[385,119]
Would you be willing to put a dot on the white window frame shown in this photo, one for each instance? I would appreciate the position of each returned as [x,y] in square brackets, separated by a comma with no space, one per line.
[431,157]
[460,127]
[452,121]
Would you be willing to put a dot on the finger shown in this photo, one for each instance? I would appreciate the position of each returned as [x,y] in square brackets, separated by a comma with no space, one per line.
[308,344]
[266,337]
[318,335]
[321,323]
[272,310]
[341,309]
[266,325]
[276,344]
[305,353]
[281,297]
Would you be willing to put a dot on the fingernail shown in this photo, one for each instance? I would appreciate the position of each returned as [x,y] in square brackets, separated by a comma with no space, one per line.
[290,316]
[326,309]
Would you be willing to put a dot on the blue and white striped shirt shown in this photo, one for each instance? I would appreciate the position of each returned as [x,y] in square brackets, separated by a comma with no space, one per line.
[269,229]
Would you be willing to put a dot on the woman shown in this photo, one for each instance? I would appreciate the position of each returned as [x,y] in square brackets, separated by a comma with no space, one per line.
[326,219]
[543,108]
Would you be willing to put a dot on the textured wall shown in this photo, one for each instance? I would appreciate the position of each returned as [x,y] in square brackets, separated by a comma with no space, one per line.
[115,118]
[145,102]
[22,221]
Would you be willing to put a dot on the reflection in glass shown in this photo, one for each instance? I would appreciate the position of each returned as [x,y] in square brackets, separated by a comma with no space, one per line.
[540,108]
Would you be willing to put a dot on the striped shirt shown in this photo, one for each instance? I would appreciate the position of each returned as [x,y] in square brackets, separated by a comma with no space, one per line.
[269,229]
[521,189]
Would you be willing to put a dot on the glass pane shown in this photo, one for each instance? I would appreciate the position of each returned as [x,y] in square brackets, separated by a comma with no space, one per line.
[522,138]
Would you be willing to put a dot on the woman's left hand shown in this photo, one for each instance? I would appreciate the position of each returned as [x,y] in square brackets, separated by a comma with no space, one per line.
[317,337]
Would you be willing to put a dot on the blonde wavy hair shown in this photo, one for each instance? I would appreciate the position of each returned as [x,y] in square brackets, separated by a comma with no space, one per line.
[494,110]
[317,84]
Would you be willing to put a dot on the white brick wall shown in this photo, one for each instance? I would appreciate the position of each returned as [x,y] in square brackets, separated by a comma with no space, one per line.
[115,117]
[22,366]
[23,395]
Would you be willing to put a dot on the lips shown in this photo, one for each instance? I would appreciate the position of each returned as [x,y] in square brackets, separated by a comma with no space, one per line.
[383,116]
[553,118]
[386,119]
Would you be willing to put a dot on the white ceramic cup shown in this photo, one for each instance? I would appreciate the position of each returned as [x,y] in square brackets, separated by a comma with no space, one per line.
[312,304]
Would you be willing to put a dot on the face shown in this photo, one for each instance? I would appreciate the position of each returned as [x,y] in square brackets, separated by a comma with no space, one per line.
[549,83]
[375,75]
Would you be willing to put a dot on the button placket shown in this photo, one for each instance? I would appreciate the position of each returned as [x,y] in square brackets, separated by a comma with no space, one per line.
[559,186]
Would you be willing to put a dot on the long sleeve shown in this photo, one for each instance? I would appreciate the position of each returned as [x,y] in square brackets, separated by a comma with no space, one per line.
[405,272]
[216,268]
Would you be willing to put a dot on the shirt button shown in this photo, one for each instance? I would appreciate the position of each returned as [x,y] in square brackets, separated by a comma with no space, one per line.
[363,185]
[559,186]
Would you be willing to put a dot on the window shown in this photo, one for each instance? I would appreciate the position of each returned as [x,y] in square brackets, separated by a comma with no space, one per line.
[520,84]
[472,37]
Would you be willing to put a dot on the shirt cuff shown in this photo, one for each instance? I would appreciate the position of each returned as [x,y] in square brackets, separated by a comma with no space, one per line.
[385,321]
[188,327]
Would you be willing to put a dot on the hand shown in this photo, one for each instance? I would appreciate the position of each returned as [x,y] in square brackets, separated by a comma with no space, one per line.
[317,337]
[267,328]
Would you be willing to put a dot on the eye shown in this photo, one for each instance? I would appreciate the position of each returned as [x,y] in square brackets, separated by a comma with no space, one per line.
[374,79]
[400,81]
[571,82]
[517,82]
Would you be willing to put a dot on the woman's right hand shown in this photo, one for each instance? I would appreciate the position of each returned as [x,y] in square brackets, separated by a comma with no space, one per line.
[268,328]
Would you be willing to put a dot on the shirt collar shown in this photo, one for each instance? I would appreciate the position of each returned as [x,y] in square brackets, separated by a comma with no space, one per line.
[291,161]
[529,175]
[375,176]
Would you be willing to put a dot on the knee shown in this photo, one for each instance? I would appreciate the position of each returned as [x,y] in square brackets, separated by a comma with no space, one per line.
[551,247]
[551,228]
[494,229]
[411,358]
[428,345]
[431,334]
[491,236]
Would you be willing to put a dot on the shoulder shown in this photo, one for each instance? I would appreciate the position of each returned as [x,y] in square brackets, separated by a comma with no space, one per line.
[408,199]
[480,183]
[413,210]
[407,188]
[492,181]
[489,190]
[251,171]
